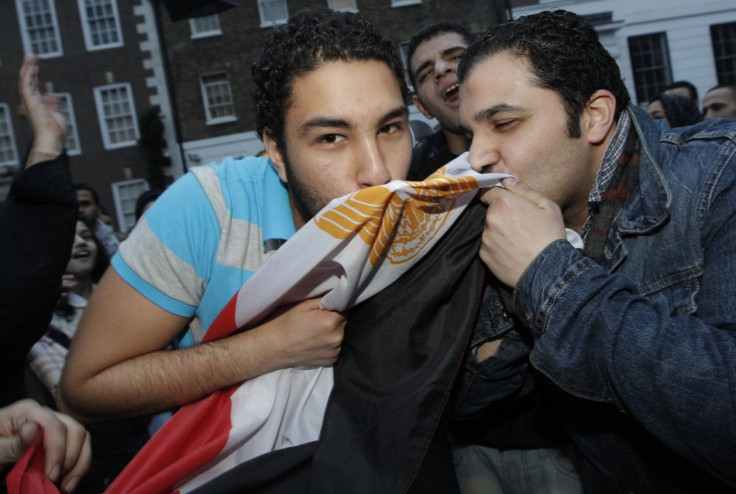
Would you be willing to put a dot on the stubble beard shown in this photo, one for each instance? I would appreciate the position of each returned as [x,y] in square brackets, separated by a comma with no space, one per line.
[306,201]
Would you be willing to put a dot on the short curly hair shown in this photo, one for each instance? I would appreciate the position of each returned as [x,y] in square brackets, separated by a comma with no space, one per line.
[564,53]
[310,39]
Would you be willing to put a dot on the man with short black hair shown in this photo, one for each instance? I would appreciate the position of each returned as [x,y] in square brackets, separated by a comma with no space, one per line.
[433,56]
[330,100]
[635,333]
[90,210]
[521,432]
[720,102]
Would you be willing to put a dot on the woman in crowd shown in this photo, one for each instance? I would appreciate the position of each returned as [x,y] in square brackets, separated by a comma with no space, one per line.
[113,443]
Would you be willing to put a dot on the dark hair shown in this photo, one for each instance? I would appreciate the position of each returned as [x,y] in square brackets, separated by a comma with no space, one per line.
[144,198]
[310,39]
[680,111]
[81,186]
[564,54]
[429,32]
[687,85]
[102,262]
[732,89]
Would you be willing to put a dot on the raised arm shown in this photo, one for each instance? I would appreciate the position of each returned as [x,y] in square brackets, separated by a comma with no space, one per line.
[49,126]
[37,224]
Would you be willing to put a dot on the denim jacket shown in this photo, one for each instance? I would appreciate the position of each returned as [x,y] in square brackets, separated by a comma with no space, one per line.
[644,345]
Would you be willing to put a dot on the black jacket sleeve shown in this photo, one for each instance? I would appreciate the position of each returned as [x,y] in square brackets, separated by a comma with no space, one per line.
[37,223]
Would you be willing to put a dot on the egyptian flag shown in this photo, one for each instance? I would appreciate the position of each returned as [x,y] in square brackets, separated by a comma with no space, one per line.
[408,323]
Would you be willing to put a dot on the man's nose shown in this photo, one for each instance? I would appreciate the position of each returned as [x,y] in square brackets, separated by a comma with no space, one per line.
[441,68]
[372,169]
[482,154]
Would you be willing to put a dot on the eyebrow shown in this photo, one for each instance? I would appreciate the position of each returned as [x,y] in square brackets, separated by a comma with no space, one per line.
[326,122]
[445,52]
[489,113]
[400,111]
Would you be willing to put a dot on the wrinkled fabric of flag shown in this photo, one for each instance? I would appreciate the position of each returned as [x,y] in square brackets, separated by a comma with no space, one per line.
[350,251]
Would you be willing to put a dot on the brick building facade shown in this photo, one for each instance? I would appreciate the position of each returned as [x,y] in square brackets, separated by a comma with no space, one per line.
[210,58]
[100,57]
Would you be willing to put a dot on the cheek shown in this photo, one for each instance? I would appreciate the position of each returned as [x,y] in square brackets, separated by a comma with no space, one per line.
[326,177]
[399,158]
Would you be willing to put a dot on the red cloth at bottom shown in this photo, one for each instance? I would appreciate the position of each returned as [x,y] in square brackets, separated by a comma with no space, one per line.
[27,475]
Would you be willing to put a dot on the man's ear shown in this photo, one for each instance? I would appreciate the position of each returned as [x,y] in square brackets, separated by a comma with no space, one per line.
[600,113]
[274,154]
[418,103]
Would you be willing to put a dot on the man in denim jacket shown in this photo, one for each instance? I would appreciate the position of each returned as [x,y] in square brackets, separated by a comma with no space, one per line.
[636,334]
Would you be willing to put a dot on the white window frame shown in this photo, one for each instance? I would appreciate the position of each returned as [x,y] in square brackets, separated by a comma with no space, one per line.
[351,8]
[194,26]
[405,3]
[104,117]
[273,22]
[88,38]
[655,43]
[206,101]
[725,61]
[125,206]
[12,148]
[28,43]
[66,107]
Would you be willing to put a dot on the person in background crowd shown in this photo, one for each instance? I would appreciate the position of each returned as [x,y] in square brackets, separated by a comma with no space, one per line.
[684,88]
[434,53]
[637,347]
[720,102]
[674,110]
[145,200]
[114,443]
[90,209]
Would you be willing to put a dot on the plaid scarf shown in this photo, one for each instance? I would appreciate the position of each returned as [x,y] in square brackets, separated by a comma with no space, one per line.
[602,213]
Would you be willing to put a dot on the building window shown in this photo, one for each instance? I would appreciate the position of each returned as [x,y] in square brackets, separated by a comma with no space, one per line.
[101,24]
[116,112]
[273,12]
[125,194]
[650,62]
[66,108]
[203,27]
[404,3]
[8,151]
[218,100]
[343,5]
[404,53]
[723,37]
[39,27]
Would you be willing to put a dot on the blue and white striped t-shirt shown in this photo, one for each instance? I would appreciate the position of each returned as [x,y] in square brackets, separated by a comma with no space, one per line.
[204,237]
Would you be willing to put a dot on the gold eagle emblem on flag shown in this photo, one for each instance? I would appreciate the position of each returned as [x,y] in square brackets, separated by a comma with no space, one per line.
[397,223]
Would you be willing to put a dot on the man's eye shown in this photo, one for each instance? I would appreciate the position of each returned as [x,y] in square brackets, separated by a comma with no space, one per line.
[331,138]
[391,128]
[504,124]
[424,75]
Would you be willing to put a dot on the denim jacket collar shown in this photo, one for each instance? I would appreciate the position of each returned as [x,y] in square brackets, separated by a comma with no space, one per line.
[650,203]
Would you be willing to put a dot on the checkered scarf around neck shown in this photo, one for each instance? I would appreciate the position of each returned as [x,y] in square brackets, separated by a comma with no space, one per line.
[621,171]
